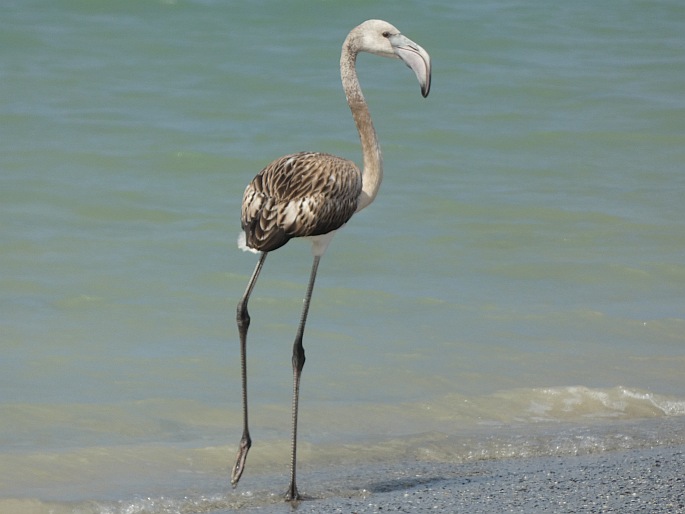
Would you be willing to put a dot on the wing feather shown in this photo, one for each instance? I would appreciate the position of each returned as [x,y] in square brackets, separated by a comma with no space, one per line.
[299,195]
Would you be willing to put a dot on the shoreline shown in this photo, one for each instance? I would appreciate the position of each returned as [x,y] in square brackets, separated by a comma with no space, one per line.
[620,481]
[614,467]
[638,480]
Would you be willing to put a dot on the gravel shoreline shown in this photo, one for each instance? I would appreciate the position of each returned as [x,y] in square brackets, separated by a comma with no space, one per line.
[642,480]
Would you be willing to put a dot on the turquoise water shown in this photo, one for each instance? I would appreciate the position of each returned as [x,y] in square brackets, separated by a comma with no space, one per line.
[522,269]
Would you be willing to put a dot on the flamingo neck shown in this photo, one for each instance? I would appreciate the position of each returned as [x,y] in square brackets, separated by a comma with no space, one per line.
[372,174]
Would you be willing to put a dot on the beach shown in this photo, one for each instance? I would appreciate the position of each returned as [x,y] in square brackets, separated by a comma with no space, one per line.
[631,481]
[620,467]
[639,480]
[627,481]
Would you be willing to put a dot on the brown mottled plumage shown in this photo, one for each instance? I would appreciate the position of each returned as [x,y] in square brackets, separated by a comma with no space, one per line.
[314,194]
[299,195]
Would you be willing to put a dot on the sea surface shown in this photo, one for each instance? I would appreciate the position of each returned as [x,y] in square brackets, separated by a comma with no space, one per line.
[517,288]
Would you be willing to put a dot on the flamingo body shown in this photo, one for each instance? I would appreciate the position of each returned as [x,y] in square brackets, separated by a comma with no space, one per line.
[299,195]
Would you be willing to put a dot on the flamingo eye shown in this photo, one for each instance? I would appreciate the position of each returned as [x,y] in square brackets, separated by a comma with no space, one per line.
[386,34]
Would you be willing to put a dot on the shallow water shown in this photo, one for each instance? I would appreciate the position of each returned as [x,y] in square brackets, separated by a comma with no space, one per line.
[523,265]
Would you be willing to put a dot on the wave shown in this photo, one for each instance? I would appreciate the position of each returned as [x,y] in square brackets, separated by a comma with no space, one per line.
[579,402]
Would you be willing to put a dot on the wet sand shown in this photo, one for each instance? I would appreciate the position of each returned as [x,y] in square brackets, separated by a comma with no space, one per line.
[649,481]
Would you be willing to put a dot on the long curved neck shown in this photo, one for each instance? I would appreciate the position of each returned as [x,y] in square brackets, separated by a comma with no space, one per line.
[372,174]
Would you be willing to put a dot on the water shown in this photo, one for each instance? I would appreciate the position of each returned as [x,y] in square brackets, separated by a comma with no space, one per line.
[516,289]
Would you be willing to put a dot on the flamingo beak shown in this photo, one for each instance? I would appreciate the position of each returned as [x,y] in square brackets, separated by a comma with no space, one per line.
[415,58]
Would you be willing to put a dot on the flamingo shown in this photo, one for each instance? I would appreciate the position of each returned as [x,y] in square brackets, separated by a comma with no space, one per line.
[311,195]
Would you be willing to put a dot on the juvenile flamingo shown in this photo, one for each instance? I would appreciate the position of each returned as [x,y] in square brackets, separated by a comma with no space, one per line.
[312,195]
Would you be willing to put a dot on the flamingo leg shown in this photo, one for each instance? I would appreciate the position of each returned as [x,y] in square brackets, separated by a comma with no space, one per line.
[243,319]
[298,364]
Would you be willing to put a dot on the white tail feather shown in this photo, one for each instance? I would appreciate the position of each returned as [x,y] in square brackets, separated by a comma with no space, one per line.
[242,244]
